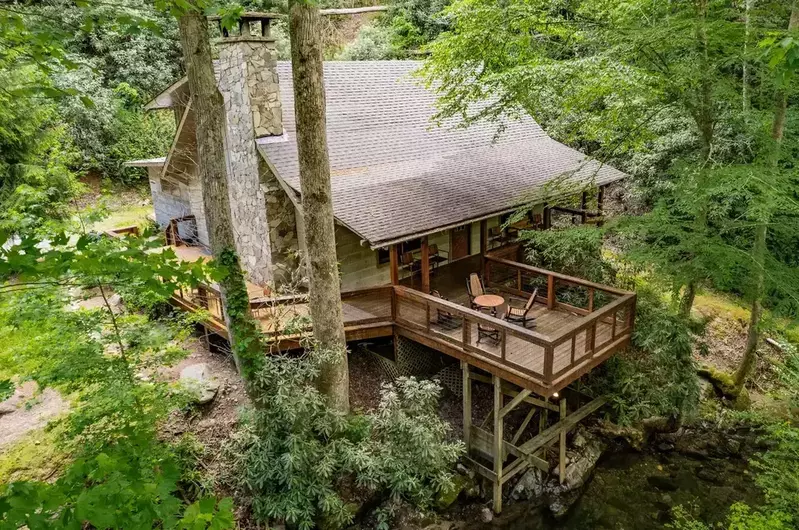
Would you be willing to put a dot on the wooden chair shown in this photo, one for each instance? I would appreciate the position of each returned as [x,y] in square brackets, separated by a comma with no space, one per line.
[410,264]
[495,235]
[474,286]
[521,315]
[435,257]
[444,318]
[488,331]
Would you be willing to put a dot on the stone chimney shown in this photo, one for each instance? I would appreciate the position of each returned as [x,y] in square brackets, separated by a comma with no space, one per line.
[263,215]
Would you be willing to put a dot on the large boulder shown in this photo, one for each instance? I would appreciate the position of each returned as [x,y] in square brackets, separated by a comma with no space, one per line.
[199,382]
[586,449]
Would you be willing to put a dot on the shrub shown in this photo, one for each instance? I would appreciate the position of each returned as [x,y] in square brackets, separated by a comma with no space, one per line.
[657,375]
[293,455]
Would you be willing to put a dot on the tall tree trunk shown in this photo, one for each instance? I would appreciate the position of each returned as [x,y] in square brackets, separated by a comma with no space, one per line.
[245,337]
[761,234]
[687,300]
[309,110]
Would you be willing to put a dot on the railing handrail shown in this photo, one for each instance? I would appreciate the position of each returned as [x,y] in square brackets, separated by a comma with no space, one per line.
[558,275]
[596,315]
[527,334]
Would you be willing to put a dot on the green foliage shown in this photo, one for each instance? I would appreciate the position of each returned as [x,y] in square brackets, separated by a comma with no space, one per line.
[35,182]
[741,517]
[114,129]
[374,42]
[576,251]
[777,472]
[293,453]
[657,376]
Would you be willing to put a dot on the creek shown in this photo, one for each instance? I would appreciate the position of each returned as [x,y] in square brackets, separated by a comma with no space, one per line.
[636,491]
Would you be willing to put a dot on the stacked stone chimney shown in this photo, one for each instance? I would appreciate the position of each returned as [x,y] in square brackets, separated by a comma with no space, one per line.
[263,215]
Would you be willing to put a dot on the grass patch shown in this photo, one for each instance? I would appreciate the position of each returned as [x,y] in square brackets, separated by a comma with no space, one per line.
[128,215]
[36,457]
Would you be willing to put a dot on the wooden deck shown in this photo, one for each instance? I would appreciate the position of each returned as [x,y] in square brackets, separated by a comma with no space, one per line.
[578,324]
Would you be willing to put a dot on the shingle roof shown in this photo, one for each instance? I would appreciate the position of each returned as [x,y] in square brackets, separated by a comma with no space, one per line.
[395,174]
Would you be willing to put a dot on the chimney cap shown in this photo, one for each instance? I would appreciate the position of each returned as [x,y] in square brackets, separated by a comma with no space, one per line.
[262,21]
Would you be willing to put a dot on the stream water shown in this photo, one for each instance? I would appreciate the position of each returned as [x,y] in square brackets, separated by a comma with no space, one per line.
[636,491]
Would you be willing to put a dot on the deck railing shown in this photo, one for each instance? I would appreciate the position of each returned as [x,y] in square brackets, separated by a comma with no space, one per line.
[602,320]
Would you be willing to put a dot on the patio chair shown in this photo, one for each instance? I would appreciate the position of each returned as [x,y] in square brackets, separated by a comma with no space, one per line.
[409,263]
[474,286]
[435,257]
[496,235]
[488,331]
[521,315]
[444,318]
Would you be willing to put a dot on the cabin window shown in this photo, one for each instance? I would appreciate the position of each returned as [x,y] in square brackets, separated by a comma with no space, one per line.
[384,256]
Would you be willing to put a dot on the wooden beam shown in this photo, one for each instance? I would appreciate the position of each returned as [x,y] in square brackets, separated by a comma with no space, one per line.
[549,435]
[467,406]
[394,261]
[523,426]
[514,402]
[425,266]
[352,10]
[498,449]
[510,392]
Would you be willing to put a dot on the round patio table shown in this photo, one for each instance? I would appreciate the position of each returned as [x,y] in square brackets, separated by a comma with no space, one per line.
[490,301]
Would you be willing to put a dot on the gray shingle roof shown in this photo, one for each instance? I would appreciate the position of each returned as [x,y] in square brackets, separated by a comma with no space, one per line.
[395,174]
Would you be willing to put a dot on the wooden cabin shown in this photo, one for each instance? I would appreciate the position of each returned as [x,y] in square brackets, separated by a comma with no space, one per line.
[420,208]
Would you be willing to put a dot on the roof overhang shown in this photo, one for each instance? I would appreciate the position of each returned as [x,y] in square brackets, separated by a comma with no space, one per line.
[149,162]
[165,99]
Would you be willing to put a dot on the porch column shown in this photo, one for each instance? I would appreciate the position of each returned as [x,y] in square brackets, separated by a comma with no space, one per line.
[425,266]
[498,446]
[600,200]
[547,217]
[583,206]
[394,264]
[483,245]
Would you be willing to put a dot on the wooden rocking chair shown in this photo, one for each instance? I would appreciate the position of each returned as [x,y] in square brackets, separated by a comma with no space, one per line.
[521,315]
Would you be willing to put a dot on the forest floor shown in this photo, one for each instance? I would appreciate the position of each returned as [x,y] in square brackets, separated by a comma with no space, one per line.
[121,205]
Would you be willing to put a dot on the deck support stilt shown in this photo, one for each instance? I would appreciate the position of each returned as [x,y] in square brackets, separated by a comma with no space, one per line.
[498,448]
[562,448]
[467,406]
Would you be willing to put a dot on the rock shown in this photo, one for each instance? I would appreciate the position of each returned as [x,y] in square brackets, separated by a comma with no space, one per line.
[709,475]
[486,515]
[667,500]
[662,483]
[665,447]
[560,505]
[199,381]
[530,485]
[460,483]
[580,468]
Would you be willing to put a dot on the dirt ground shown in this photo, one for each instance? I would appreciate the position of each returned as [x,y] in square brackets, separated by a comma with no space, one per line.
[27,410]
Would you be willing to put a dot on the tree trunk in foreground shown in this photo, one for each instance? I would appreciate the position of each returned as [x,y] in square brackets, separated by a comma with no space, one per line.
[687,300]
[210,111]
[317,204]
[761,233]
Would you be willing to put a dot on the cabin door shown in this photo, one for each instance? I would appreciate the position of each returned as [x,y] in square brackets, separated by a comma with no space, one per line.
[459,242]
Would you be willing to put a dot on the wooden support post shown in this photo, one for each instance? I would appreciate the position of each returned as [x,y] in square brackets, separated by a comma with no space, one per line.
[583,207]
[498,448]
[425,266]
[600,203]
[394,260]
[547,217]
[542,420]
[483,242]
[550,292]
[562,452]
[467,407]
